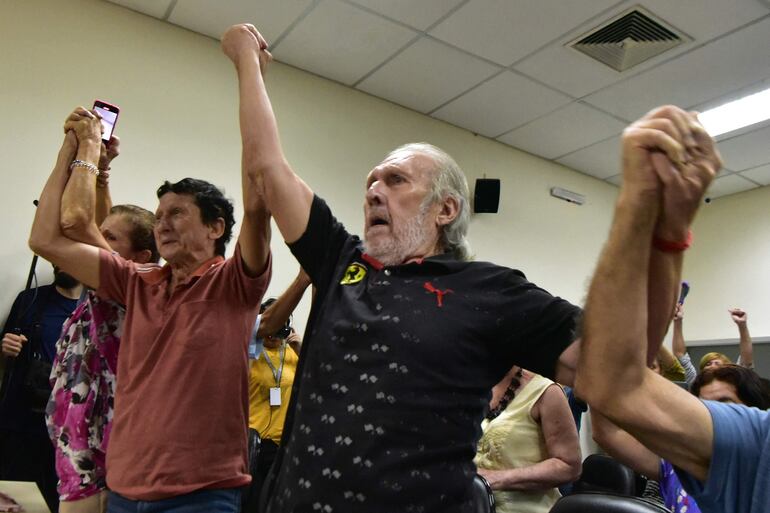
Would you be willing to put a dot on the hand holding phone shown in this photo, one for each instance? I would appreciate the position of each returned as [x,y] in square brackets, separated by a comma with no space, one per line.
[109,114]
[683,292]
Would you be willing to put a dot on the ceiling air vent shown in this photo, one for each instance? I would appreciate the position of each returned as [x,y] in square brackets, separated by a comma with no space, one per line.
[629,39]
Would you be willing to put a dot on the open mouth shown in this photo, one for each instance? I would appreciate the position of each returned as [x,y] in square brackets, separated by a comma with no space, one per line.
[378,221]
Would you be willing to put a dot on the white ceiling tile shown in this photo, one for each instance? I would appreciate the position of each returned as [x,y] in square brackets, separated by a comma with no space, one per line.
[746,151]
[729,184]
[706,19]
[155,8]
[615,180]
[568,70]
[577,74]
[564,131]
[731,63]
[503,102]
[504,31]
[271,17]
[601,160]
[419,16]
[759,174]
[426,75]
[342,42]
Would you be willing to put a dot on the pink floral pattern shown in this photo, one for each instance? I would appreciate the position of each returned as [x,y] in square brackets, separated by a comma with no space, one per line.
[80,410]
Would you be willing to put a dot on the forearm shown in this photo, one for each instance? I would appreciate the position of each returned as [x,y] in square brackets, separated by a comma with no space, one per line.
[46,227]
[546,474]
[103,204]
[746,346]
[278,313]
[664,275]
[262,151]
[78,201]
[677,342]
[620,445]
[46,237]
[615,323]
[265,168]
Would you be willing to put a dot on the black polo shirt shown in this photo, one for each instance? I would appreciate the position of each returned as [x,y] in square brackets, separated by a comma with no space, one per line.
[396,371]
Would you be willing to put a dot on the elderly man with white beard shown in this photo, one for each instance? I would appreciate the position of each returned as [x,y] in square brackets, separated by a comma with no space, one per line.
[406,336]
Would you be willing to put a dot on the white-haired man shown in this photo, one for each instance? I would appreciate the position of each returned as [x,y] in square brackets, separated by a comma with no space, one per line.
[406,337]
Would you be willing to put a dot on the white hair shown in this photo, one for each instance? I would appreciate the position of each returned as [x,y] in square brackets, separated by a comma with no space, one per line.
[448,181]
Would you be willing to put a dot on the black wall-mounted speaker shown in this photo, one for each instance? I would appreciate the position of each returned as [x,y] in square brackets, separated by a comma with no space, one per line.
[486,196]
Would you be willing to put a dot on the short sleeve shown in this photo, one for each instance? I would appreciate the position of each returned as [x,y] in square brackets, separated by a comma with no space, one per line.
[539,326]
[249,289]
[114,275]
[318,249]
[740,443]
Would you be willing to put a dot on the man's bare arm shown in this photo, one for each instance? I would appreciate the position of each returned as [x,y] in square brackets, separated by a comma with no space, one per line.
[266,170]
[46,238]
[664,178]
[746,346]
[86,202]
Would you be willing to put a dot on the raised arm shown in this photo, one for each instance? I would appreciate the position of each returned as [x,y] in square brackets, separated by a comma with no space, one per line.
[86,201]
[668,162]
[670,368]
[265,168]
[677,342]
[103,197]
[741,318]
[562,465]
[624,447]
[276,315]
[46,238]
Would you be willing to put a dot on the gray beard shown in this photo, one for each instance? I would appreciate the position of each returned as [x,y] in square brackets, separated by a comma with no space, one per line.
[402,244]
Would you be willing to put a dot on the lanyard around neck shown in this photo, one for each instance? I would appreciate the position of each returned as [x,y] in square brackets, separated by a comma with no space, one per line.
[276,372]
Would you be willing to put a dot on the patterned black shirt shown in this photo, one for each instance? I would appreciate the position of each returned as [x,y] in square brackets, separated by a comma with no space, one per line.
[395,374]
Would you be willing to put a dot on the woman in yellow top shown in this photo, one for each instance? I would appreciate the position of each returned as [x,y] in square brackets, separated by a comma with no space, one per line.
[272,366]
[529,445]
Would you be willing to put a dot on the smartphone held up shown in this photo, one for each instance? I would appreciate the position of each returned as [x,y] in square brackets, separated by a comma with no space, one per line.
[109,114]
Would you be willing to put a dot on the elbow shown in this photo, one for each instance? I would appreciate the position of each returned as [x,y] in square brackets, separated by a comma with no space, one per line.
[75,222]
[264,170]
[574,470]
[40,244]
[596,390]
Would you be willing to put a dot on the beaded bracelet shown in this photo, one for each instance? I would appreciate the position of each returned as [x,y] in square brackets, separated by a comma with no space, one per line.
[87,165]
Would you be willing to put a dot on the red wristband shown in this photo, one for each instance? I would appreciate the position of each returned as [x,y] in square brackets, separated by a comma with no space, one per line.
[672,246]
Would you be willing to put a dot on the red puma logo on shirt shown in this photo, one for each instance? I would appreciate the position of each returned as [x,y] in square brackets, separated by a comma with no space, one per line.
[439,293]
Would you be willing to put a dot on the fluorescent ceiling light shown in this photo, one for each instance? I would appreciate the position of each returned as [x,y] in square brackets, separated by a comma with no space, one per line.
[737,114]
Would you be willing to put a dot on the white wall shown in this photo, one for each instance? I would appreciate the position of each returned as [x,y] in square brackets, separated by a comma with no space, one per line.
[179,118]
[729,267]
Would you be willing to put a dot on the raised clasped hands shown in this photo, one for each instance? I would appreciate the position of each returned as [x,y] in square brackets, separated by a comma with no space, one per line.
[242,40]
[86,125]
[670,158]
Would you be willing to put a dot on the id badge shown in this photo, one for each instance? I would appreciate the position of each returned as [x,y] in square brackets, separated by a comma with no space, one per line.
[275,396]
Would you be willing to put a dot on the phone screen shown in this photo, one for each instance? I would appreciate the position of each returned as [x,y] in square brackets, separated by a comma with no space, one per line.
[108,121]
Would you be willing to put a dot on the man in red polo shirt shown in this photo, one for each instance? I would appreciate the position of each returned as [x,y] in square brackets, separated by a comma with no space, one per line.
[179,435]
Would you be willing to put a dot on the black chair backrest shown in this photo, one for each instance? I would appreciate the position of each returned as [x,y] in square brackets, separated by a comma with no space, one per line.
[595,502]
[483,499]
[604,474]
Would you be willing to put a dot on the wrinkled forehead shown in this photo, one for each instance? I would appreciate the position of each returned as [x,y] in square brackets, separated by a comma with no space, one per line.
[174,200]
[407,161]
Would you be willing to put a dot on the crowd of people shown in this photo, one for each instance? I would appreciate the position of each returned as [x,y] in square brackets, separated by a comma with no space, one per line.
[176,388]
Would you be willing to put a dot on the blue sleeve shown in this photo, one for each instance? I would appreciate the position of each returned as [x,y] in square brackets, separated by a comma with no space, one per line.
[739,470]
